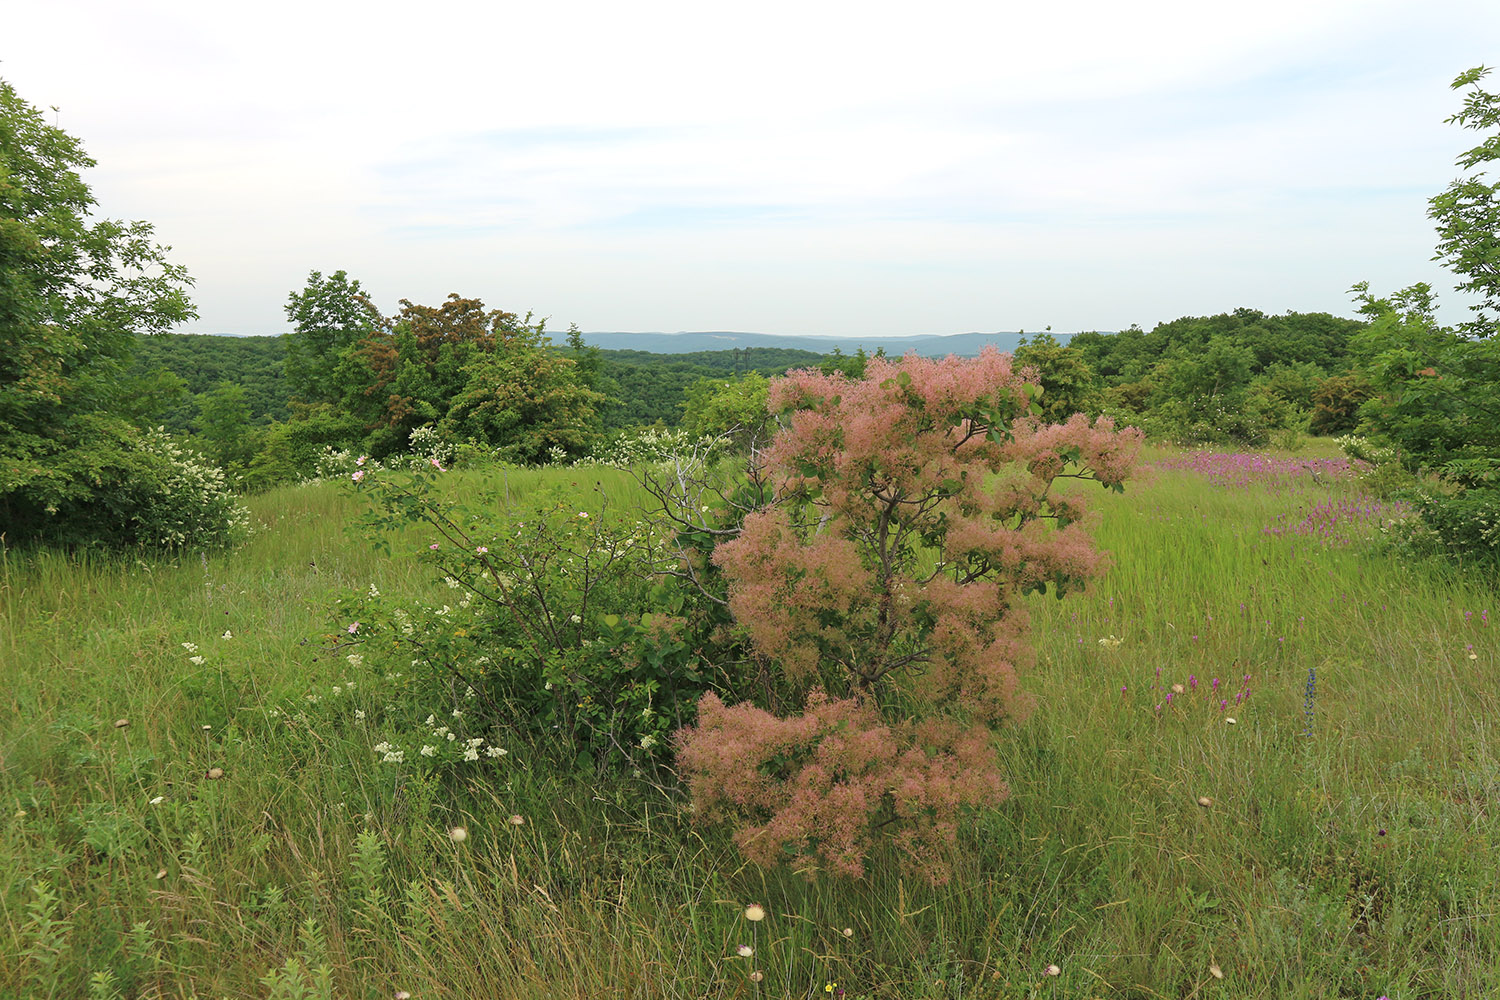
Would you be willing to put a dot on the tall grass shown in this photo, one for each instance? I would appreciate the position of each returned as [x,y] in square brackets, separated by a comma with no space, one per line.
[1348,847]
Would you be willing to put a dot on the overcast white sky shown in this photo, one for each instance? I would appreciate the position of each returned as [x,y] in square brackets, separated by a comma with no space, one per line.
[800,168]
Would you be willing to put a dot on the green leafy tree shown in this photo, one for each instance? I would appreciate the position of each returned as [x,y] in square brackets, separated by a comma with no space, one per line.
[329,316]
[74,294]
[734,407]
[1436,390]
[224,424]
[409,378]
[529,403]
[1468,212]
[1068,384]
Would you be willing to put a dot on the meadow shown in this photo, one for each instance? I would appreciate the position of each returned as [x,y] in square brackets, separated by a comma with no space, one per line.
[1262,764]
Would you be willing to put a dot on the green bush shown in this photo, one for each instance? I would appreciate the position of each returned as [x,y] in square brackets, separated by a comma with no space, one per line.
[560,620]
[129,488]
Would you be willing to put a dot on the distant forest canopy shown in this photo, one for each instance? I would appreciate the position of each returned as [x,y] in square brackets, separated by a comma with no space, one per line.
[1237,376]
[652,387]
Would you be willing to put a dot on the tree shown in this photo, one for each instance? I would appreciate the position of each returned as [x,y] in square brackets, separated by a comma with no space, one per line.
[1436,390]
[224,424]
[735,407]
[912,509]
[328,317]
[529,403]
[1068,384]
[1468,212]
[409,377]
[74,294]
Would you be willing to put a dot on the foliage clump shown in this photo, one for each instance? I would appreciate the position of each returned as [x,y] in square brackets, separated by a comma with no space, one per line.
[908,512]
[77,466]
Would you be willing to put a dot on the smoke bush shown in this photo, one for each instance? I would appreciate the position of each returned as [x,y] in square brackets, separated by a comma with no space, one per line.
[910,509]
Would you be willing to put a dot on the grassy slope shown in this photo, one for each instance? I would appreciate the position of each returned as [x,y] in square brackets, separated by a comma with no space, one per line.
[308,854]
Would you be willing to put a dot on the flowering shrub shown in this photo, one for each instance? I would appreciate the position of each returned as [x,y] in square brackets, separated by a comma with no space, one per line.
[909,509]
[653,446]
[177,499]
[557,618]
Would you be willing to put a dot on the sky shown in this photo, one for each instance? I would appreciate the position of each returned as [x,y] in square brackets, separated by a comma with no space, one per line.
[869,168]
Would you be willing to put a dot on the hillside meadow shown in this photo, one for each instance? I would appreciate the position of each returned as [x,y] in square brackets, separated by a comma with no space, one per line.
[1262,763]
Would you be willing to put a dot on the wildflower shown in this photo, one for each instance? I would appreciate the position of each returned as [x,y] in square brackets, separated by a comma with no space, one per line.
[373,591]
[190,647]
[428,751]
[458,834]
[228,634]
[583,515]
[755,913]
[1111,641]
[196,661]
[482,550]
[358,475]
[1052,970]
[576,620]
[495,751]
[1178,689]
[433,546]
[471,754]
[353,628]
[430,720]
[648,741]
[744,951]
[437,465]
[456,713]
[361,460]
[516,820]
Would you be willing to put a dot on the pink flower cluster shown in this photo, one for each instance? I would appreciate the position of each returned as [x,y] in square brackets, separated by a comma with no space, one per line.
[816,785]
[1245,469]
[914,507]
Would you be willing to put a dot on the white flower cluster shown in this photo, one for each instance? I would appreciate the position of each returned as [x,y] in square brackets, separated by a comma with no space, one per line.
[655,447]
[188,505]
[443,738]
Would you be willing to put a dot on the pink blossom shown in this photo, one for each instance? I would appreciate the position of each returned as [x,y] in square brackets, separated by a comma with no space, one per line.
[919,453]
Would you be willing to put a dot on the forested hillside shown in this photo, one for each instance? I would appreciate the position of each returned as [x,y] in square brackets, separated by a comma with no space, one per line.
[256,364]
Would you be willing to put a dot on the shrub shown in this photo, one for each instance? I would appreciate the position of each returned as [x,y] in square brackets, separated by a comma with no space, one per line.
[129,488]
[558,621]
[910,509]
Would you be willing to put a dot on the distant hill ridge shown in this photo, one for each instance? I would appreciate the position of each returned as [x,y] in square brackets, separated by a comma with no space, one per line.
[930,345]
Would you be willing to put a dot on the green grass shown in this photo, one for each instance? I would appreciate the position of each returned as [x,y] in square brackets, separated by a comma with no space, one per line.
[311,869]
